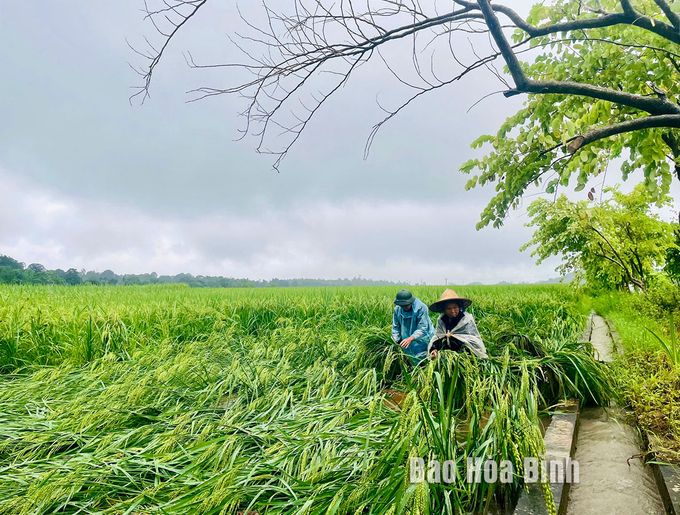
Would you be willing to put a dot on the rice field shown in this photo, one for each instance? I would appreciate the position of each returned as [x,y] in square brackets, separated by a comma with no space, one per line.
[177,400]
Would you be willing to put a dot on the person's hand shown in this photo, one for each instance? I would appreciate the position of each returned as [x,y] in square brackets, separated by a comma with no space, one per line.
[434,354]
[406,342]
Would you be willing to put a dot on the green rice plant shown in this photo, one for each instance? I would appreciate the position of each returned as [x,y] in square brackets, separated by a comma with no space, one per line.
[175,400]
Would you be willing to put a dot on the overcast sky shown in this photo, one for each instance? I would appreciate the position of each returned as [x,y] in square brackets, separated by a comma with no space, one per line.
[90,181]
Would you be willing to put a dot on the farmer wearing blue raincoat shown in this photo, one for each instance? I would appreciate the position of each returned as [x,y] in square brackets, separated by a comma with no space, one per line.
[411,325]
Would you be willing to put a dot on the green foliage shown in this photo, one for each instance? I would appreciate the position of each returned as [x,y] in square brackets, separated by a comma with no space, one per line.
[616,244]
[13,272]
[663,297]
[672,267]
[180,400]
[10,263]
[530,147]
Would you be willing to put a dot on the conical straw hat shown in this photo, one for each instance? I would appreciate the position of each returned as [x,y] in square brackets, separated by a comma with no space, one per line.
[448,296]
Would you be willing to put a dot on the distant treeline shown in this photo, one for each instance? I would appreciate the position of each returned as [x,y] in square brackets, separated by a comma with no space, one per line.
[15,272]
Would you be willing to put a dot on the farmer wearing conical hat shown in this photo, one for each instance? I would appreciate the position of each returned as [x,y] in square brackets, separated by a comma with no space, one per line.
[411,325]
[456,329]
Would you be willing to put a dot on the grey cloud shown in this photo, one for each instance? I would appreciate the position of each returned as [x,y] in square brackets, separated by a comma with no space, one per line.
[317,239]
[67,123]
[91,182]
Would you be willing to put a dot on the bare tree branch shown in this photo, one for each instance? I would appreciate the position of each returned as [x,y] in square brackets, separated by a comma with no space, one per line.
[175,8]
[324,38]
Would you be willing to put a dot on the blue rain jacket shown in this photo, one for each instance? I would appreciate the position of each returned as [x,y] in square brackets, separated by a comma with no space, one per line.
[414,323]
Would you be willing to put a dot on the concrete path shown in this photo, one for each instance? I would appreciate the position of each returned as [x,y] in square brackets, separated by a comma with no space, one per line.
[601,339]
[609,481]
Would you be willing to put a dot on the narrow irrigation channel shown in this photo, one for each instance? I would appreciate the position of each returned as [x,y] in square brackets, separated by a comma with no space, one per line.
[613,478]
